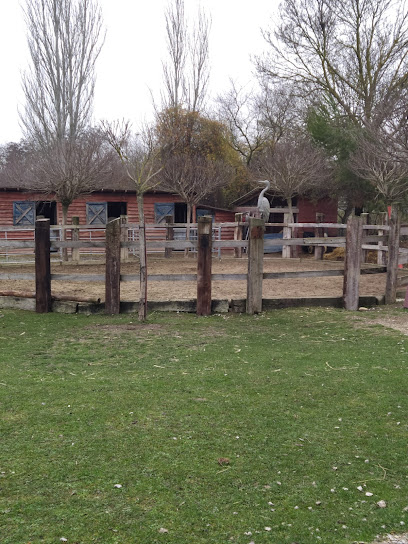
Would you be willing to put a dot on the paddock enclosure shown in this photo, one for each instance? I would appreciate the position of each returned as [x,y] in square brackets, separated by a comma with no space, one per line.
[373,285]
[302,272]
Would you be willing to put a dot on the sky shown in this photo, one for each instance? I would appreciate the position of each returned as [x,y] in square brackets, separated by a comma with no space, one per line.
[129,69]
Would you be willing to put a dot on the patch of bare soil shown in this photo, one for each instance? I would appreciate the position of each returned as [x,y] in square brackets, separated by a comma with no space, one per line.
[392,539]
[184,290]
[139,327]
[381,316]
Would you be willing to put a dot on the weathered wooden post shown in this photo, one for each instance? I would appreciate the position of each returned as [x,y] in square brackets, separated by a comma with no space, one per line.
[255,265]
[169,235]
[112,276]
[352,263]
[392,261]
[319,233]
[204,265]
[381,254]
[238,234]
[42,266]
[287,234]
[75,238]
[124,237]
[364,252]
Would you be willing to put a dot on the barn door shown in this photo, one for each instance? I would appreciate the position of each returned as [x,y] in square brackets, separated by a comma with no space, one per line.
[23,213]
[96,213]
[161,210]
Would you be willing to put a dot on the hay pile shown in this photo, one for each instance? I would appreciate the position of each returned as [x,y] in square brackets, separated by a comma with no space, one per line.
[336,255]
[339,252]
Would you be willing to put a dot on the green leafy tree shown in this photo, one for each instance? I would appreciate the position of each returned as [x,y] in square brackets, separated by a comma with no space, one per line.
[337,135]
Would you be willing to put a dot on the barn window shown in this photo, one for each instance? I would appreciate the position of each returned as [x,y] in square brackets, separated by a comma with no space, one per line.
[96,213]
[180,212]
[116,209]
[23,213]
[48,210]
[161,209]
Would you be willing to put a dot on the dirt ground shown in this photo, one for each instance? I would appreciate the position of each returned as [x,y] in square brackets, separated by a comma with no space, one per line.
[371,284]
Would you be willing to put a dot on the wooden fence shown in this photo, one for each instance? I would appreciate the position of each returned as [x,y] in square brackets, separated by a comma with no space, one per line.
[113,245]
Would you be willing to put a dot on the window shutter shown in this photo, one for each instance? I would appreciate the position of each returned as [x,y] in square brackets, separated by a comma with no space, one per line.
[23,213]
[161,210]
[96,213]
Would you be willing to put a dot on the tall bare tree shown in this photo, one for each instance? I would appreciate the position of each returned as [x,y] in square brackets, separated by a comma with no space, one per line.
[139,157]
[64,40]
[351,50]
[186,70]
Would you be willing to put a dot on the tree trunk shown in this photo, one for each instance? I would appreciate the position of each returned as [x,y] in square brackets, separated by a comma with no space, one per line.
[64,232]
[293,250]
[143,260]
[290,206]
[188,228]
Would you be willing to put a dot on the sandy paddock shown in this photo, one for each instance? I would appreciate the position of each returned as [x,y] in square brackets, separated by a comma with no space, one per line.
[371,284]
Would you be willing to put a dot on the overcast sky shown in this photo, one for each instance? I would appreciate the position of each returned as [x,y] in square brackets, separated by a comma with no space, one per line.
[130,62]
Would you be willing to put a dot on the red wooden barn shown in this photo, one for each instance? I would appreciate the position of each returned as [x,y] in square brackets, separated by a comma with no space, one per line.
[19,206]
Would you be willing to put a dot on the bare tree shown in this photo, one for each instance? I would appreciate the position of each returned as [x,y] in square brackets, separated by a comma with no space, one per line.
[186,72]
[193,177]
[64,39]
[256,117]
[139,156]
[351,50]
[239,109]
[294,168]
[382,159]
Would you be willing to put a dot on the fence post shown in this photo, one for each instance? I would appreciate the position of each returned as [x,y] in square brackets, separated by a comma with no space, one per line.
[124,237]
[352,263]
[204,265]
[169,235]
[287,234]
[42,266]
[319,233]
[381,254]
[75,238]
[238,234]
[112,276]
[255,265]
[364,252]
[392,261]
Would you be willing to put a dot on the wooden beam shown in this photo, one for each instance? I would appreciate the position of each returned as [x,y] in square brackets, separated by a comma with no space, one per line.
[393,250]
[112,281]
[238,234]
[42,266]
[319,233]
[204,265]
[352,263]
[75,238]
[169,235]
[124,236]
[255,265]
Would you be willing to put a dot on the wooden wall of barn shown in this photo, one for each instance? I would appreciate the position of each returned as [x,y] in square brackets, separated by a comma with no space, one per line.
[78,207]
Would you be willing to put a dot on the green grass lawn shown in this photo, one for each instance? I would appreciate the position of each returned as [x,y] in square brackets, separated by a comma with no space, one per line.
[112,431]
